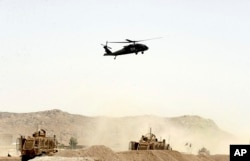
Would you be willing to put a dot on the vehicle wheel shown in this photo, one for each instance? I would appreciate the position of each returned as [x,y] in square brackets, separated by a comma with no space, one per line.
[24,158]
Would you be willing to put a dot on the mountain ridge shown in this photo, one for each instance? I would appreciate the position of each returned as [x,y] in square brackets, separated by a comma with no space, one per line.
[115,132]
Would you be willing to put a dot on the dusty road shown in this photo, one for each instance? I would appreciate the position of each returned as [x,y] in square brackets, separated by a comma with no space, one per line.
[103,153]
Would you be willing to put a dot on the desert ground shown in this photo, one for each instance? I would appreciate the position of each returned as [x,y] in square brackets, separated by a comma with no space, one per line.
[103,153]
[107,138]
[117,132]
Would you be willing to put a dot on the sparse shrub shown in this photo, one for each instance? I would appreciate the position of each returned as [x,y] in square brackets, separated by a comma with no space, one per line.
[73,142]
[203,151]
[61,146]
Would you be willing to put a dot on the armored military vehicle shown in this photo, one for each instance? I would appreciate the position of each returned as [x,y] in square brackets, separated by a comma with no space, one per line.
[149,142]
[36,145]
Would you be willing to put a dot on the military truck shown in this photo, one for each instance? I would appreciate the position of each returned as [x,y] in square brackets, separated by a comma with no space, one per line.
[36,145]
[149,142]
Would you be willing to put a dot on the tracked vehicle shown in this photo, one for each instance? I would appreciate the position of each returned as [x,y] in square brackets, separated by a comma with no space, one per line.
[149,142]
[36,145]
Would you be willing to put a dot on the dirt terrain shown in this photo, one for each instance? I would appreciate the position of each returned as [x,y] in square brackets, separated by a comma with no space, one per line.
[103,153]
[116,132]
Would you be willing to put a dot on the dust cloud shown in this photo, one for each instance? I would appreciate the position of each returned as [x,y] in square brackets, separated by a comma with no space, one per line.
[116,133]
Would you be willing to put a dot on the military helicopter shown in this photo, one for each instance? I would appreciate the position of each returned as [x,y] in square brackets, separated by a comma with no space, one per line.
[133,47]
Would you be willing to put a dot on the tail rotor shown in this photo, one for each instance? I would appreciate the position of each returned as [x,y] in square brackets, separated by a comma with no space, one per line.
[106,46]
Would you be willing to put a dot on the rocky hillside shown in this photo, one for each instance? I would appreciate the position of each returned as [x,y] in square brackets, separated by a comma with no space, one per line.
[185,133]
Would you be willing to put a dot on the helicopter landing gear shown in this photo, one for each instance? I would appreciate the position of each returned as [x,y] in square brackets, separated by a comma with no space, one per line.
[142,52]
[136,53]
[115,57]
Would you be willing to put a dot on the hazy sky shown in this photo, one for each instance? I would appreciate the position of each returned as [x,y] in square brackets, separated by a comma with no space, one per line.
[51,57]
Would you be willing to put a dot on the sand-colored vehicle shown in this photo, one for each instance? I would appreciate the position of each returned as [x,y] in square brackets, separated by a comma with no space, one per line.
[149,142]
[36,145]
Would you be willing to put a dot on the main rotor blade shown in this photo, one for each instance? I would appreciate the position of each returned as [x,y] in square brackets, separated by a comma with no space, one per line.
[119,42]
[134,41]
[130,40]
[146,39]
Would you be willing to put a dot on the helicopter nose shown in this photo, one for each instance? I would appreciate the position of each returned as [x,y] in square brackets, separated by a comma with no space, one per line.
[146,48]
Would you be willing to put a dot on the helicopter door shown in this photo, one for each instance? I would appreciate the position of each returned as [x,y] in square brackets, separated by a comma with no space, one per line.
[132,49]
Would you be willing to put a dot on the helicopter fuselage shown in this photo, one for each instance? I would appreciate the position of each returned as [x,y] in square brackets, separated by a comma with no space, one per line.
[128,49]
